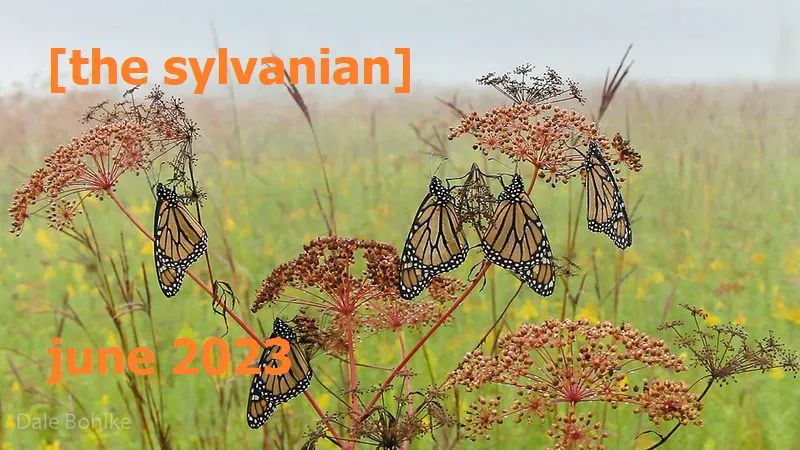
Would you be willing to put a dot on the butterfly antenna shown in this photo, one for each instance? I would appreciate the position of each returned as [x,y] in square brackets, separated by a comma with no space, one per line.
[575,148]
[280,313]
[499,318]
[473,176]
[492,158]
[156,177]
[514,170]
[483,285]
[430,164]
[472,270]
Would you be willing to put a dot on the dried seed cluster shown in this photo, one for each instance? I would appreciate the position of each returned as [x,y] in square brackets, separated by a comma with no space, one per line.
[574,362]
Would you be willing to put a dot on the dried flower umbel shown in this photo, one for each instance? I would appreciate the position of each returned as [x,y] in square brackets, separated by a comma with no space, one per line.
[543,135]
[172,129]
[347,280]
[474,200]
[725,351]
[395,421]
[390,429]
[127,137]
[88,165]
[527,88]
[577,364]
[530,133]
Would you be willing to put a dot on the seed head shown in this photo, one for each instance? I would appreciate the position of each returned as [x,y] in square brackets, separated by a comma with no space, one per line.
[345,280]
[522,87]
[725,351]
[576,363]
[536,134]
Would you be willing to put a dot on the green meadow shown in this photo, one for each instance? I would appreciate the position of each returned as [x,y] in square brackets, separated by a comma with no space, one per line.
[715,219]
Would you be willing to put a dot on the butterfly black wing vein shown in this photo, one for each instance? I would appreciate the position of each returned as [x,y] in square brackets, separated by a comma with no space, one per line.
[516,240]
[436,242]
[180,240]
[605,208]
[267,392]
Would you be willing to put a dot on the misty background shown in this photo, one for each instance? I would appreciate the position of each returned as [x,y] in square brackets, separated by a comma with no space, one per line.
[452,41]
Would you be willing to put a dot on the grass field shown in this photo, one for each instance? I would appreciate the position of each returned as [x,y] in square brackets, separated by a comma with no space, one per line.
[715,225]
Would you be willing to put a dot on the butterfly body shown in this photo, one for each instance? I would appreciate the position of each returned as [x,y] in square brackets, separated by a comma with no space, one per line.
[267,391]
[436,242]
[180,240]
[516,240]
[605,207]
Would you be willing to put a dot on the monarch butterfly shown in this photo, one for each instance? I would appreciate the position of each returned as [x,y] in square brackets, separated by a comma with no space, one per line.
[180,240]
[516,240]
[269,391]
[436,242]
[605,210]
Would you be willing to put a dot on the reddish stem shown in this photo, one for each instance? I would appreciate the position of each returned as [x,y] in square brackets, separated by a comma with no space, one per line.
[438,323]
[351,356]
[400,338]
[321,413]
[228,311]
[425,338]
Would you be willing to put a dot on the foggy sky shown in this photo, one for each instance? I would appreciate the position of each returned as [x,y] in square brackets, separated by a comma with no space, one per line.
[451,41]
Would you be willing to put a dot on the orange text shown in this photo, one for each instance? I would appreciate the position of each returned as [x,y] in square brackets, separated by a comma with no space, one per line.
[141,360]
[268,70]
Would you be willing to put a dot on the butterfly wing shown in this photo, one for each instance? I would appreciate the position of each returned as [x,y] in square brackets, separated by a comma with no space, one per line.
[436,242]
[605,211]
[259,409]
[268,391]
[180,240]
[413,280]
[516,240]
[170,279]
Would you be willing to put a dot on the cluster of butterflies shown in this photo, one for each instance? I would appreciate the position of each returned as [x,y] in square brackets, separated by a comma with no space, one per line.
[180,240]
[515,239]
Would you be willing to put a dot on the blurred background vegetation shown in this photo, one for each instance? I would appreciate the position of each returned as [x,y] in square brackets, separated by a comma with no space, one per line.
[715,225]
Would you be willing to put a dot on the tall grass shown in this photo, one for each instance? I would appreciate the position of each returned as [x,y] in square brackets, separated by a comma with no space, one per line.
[716,227]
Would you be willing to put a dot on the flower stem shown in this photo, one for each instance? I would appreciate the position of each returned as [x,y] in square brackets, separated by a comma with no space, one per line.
[425,338]
[445,316]
[351,356]
[197,280]
[406,443]
[321,413]
[228,311]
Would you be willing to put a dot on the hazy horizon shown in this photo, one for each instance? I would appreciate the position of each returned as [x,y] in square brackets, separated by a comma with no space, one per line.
[452,42]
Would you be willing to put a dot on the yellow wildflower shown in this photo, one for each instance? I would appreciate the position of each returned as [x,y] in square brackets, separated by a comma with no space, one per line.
[43,238]
[657,277]
[229,224]
[713,320]
[759,258]
[588,312]
[528,310]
